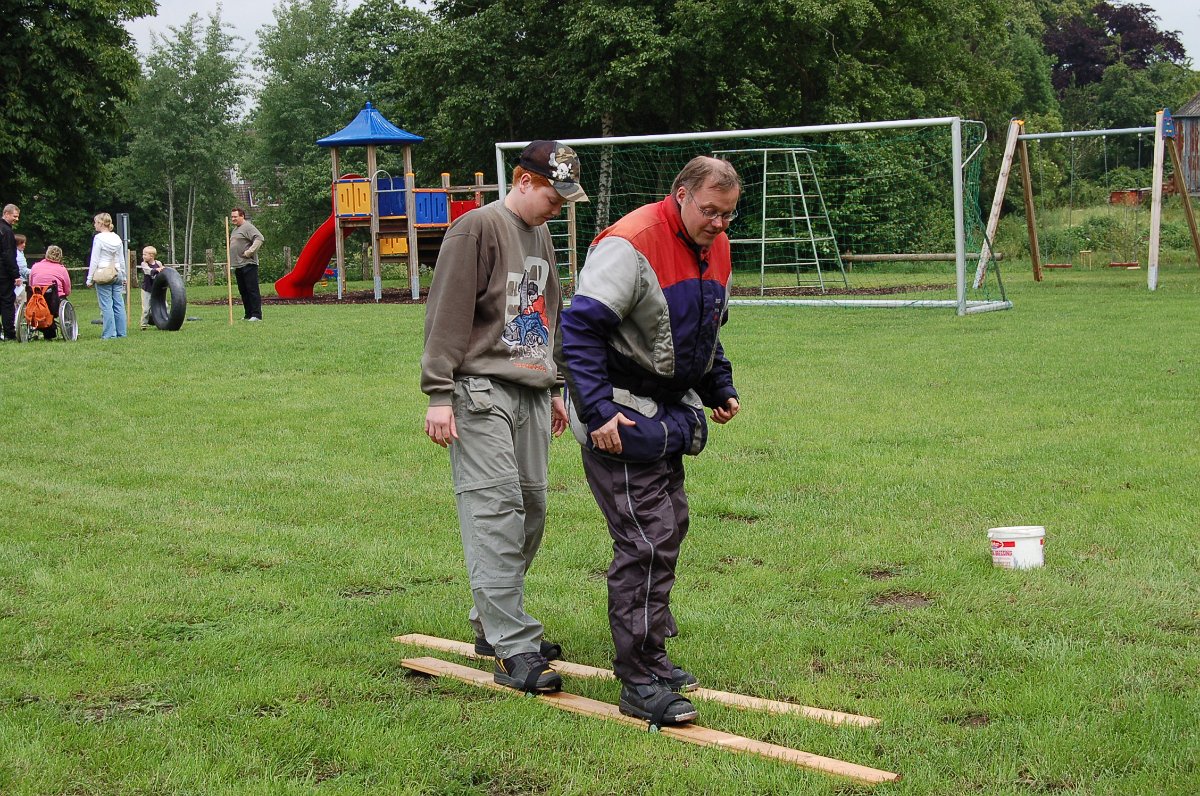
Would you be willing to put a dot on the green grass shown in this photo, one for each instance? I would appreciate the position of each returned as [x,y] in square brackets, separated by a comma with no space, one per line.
[211,537]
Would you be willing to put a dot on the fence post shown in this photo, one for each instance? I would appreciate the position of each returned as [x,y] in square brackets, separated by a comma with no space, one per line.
[210,261]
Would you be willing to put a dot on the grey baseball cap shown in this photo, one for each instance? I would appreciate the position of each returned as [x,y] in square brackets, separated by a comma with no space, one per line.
[557,163]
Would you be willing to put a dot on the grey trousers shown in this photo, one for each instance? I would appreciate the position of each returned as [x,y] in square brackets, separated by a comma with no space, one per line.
[499,466]
[647,512]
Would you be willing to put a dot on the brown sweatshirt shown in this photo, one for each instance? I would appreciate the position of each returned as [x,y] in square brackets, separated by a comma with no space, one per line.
[494,305]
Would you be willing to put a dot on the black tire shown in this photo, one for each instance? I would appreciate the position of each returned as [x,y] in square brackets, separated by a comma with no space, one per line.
[171,318]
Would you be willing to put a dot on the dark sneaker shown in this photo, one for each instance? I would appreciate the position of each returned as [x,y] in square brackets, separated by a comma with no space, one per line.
[656,703]
[682,681]
[551,652]
[528,672]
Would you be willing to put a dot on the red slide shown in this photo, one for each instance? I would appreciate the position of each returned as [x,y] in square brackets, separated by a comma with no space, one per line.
[310,265]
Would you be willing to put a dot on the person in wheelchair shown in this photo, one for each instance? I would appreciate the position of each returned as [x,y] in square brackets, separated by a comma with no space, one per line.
[51,276]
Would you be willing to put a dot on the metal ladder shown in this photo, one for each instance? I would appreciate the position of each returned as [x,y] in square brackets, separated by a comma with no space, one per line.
[795,231]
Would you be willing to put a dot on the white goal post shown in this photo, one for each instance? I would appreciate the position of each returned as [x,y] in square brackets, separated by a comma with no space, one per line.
[872,214]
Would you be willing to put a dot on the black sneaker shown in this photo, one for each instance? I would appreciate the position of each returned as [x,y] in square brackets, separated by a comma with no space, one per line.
[656,703]
[681,681]
[528,672]
[551,652]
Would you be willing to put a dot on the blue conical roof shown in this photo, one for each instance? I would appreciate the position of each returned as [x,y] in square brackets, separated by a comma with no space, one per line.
[369,127]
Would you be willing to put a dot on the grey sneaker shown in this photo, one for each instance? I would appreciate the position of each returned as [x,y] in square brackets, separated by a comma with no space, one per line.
[528,672]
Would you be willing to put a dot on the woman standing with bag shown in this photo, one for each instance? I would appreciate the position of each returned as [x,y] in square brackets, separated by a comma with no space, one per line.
[107,273]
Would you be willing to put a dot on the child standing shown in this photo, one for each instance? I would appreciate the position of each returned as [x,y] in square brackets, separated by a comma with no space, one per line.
[22,263]
[150,268]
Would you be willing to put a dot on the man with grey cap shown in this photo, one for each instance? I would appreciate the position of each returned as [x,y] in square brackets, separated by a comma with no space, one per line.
[491,329]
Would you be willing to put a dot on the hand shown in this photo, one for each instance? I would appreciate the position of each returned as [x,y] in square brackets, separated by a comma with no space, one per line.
[439,424]
[723,414]
[558,416]
[608,437]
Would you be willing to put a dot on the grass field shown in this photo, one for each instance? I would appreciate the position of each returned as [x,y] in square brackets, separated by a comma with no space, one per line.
[211,536]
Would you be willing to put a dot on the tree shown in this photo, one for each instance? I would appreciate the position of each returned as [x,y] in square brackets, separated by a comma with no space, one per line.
[184,120]
[309,91]
[68,67]
[1088,43]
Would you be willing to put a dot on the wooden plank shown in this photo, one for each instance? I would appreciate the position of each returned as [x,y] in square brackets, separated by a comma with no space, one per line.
[1030,222]
[689,733]
[1155,205]
[989,235]
[724,697]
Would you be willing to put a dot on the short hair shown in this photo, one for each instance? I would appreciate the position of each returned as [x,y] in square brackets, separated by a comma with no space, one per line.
[53,254]
[702,171]
[150,249]
[19,238]
[105,220]
[239,211]
[11,208]
[537,179]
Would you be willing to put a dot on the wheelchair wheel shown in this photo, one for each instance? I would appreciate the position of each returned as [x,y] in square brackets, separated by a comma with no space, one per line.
[24,333]
[68,325]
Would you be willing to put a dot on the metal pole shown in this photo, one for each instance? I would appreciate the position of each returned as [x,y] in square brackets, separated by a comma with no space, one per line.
[960,237]
[501,184]
[1083,133]
[754,133]
[339,246]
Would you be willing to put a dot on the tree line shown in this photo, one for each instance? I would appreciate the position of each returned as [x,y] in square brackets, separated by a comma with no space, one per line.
[87,124]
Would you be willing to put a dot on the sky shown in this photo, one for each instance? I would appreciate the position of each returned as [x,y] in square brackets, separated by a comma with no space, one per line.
[1175,15]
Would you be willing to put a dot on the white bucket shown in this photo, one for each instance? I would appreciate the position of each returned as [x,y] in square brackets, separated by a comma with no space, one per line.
[1017,546]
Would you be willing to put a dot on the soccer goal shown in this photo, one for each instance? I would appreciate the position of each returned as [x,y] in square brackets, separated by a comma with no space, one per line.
[877,214]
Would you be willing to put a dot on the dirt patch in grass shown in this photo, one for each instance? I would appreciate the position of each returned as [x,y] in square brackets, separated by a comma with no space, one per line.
[907,600]
[881,572]
[731,560]
[733,516]
[1031,781]
[94,711]
[366,592]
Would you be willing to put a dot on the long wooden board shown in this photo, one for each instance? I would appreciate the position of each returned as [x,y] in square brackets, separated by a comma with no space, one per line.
[724,697]
[993,222]
[690,733]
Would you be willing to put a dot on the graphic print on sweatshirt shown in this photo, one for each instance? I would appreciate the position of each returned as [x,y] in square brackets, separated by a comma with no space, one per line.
[527,333]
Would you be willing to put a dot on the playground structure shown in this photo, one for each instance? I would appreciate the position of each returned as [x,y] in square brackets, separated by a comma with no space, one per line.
[1128,200]
[383,206]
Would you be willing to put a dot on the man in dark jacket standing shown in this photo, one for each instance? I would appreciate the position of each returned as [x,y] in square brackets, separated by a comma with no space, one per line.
[637,390]
[10,273]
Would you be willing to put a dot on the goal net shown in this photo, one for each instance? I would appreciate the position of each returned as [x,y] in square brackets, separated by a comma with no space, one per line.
[872,214]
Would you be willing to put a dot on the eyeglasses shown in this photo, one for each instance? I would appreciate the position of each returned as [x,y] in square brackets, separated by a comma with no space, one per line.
[712,215]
